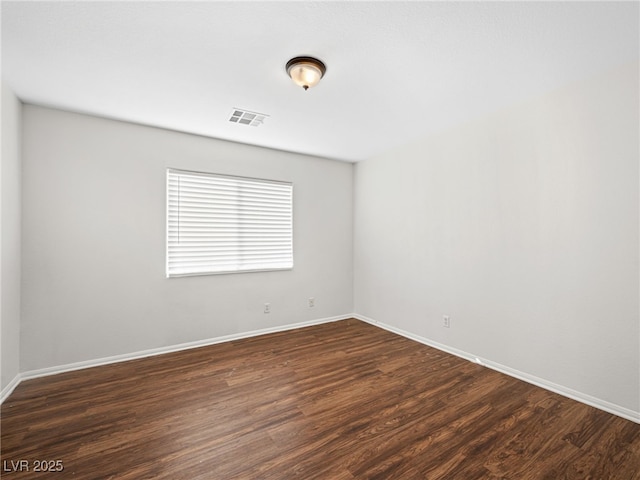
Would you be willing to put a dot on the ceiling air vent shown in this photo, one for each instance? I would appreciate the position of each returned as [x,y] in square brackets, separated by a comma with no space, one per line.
[246,117]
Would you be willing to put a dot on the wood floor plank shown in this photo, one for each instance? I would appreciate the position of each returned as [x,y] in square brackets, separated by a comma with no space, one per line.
[337,401]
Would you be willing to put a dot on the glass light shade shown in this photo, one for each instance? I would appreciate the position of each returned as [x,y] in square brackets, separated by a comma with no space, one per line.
[305,71]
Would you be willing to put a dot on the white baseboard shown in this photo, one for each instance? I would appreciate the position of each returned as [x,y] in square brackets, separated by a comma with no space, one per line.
[11,386]
[43,372]
[565,391]
[539,382]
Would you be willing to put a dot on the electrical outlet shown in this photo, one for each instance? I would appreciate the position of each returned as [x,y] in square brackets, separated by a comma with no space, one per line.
[446,321]
[312,302]
[267,308]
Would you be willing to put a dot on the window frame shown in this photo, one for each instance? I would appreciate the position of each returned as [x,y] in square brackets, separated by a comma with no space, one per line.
[237,268]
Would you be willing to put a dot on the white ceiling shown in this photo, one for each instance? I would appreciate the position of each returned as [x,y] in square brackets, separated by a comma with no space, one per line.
[395,70]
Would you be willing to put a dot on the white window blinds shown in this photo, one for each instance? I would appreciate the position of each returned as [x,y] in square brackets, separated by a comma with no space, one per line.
[223,224]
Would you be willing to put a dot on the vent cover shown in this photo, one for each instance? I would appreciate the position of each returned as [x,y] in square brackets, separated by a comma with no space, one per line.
[246,117]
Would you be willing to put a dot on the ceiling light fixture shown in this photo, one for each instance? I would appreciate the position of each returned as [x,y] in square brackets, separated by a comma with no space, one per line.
[305,71]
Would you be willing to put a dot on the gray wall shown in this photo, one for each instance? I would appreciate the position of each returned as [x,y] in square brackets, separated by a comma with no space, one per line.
[523,227]
[10,237]
[94,241]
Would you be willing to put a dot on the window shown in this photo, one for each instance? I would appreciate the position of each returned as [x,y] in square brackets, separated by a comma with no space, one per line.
[223,224]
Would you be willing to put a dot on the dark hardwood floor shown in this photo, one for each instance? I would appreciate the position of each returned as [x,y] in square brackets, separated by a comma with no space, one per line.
[337,401]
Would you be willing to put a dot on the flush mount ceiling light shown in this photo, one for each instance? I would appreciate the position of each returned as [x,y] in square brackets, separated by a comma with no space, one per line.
[305,71]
